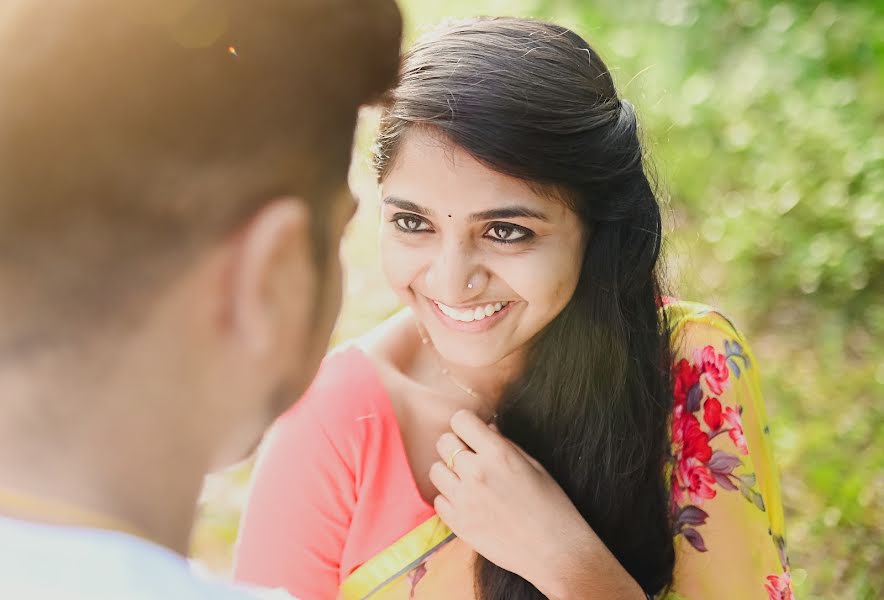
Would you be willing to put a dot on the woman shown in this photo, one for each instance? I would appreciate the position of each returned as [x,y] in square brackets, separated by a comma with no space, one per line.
[514,433]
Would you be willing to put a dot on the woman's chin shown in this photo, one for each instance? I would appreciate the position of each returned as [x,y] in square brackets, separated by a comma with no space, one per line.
[471,356]
[468,362]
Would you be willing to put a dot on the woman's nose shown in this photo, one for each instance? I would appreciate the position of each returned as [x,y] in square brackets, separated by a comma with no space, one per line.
[455,276]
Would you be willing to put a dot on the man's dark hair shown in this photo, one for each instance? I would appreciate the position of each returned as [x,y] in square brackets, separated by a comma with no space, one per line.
[135,132]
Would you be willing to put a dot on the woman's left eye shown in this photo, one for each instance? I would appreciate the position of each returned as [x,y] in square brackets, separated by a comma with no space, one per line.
[504,232]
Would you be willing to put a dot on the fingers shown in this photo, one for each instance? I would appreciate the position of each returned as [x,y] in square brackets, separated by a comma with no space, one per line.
[475,433]
[450,448]
[485,440]
[444,510]
[531,460]
[445,480]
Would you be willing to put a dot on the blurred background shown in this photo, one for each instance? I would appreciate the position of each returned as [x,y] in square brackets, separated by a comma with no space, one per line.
[764,122]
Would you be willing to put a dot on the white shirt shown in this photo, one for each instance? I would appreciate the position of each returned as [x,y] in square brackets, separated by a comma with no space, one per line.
[48,562]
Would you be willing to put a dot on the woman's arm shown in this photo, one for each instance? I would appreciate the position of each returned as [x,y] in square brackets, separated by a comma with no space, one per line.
[298,512]
[725,487]
[586,569]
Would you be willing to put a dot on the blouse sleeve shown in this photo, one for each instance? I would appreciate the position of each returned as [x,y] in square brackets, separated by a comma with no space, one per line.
[302,496]
[725,491]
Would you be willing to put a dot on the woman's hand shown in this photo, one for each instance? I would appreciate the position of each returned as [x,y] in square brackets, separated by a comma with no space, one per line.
[504,504]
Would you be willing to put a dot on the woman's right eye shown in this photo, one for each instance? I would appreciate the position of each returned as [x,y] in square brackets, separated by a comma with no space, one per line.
[410,223]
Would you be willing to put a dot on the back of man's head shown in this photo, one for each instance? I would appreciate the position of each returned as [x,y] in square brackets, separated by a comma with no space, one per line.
[133,133]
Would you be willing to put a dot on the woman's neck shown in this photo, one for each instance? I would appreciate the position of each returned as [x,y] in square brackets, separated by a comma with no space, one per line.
[479,389]
[489,382]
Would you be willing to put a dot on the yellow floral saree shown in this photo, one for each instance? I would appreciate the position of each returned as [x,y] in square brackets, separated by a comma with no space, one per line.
[726,507]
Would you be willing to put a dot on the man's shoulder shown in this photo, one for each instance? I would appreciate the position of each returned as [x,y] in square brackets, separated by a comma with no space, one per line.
[222,589]
[47,562]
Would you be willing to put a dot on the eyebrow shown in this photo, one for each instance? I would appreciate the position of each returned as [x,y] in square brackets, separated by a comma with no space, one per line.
[407,205]
[495,214]
[508,212]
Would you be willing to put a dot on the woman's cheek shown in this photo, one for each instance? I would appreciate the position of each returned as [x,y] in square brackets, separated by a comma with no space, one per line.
[546,283]
[402,265]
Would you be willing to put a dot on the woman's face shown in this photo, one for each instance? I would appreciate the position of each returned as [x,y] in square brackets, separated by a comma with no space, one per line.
[484,262]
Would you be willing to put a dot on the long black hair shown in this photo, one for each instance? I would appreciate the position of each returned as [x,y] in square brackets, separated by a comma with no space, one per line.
[535,101]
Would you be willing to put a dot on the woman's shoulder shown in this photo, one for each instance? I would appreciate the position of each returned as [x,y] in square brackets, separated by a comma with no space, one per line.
[684,314]
[344,390]
[391,343]
[705,338]
[352,385]
[345,372]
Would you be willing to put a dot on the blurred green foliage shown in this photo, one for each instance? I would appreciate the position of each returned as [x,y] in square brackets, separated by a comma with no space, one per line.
[764,122]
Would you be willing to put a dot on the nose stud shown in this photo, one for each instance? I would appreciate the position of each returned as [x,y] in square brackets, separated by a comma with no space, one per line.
[469,286]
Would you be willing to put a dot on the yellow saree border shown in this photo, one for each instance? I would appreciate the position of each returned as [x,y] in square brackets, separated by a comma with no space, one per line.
[394,561]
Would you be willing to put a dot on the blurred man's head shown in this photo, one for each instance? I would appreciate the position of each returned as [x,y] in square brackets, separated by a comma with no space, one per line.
[172,196]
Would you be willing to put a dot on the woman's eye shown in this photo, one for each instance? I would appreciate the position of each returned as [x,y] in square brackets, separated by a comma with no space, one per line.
[502,232]
[410,223]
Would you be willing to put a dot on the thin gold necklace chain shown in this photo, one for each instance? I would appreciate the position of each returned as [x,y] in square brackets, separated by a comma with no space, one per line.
[425,340]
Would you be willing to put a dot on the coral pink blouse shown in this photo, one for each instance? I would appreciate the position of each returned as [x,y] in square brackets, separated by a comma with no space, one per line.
[334,479]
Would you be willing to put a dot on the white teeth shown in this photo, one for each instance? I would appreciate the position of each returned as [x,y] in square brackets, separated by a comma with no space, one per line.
[471,314]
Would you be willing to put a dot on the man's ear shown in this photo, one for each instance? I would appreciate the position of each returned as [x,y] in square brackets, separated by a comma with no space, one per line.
[274,279]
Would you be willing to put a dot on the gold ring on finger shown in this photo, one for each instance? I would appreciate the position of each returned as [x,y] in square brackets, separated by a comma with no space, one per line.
[450,462]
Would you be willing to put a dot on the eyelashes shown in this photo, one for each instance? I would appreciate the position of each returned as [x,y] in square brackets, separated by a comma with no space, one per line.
[410,223]
[507,233]
[498,232]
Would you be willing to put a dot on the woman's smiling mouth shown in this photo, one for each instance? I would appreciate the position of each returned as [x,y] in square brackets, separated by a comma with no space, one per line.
[468,315]
[476,317]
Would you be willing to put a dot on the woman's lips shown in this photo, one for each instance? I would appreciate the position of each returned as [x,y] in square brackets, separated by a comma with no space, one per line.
[479,317]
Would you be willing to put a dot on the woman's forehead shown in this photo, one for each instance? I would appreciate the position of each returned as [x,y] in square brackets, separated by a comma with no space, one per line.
[437,174]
